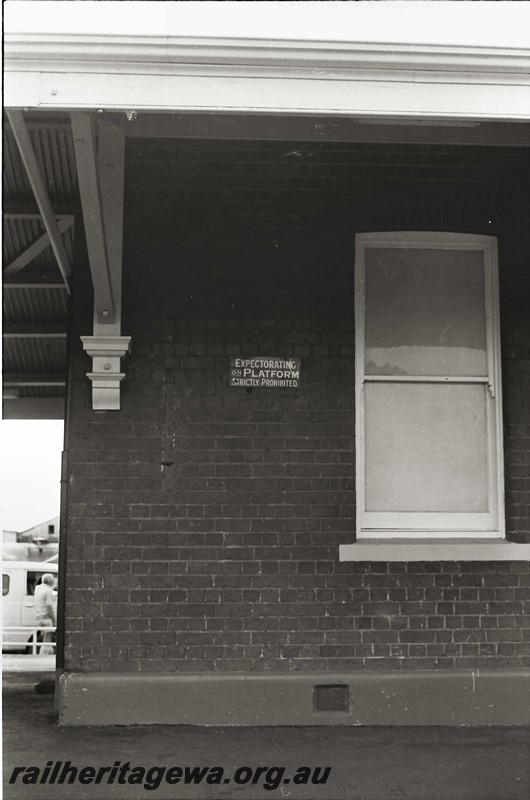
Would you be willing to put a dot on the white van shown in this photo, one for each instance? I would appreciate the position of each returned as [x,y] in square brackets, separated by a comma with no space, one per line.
[19,579]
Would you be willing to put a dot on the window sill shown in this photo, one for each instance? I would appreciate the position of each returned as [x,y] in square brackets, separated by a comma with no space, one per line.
[422,549]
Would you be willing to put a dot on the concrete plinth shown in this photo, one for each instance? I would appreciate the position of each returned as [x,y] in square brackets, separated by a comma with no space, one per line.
[473,698]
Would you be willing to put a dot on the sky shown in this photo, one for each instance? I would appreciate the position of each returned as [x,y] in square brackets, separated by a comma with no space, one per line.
[30,451]
[503,24]
[30,472]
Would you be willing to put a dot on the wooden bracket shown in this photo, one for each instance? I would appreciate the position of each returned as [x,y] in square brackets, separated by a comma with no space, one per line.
[101,179]
[89,190]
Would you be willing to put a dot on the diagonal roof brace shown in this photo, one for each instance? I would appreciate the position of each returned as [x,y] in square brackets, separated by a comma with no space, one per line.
[31,252]
[90,192]
[29,159]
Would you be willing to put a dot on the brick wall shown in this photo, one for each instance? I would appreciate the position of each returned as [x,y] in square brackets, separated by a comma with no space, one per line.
[203,521]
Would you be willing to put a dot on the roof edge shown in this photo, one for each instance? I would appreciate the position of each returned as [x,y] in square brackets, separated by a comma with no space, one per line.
[102,49]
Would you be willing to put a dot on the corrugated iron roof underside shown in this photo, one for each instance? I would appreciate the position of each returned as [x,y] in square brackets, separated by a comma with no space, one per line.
[35,300]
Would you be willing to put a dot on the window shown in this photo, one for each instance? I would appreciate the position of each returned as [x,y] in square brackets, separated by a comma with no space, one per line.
[428,405]
[32,579]
[5,585]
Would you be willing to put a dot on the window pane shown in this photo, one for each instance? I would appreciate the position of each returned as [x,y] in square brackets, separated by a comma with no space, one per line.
[425,312]
[426,447]
[5,584]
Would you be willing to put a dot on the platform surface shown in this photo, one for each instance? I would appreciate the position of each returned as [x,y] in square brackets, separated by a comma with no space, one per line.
[367,763]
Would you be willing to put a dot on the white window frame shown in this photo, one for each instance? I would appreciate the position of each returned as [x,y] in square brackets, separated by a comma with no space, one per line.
[441,526]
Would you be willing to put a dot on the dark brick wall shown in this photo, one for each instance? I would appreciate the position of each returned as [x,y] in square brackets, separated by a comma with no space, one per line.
[204,522]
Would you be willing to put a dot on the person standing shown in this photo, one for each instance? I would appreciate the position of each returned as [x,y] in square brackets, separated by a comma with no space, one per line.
[45,611]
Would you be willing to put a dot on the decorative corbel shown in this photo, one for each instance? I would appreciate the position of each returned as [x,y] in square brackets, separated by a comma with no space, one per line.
[106,353]
[101,179]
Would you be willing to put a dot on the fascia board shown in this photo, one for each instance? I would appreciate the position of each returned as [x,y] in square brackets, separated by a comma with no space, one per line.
[242,76]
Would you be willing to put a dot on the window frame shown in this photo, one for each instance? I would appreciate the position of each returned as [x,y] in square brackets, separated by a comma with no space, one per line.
[412,525]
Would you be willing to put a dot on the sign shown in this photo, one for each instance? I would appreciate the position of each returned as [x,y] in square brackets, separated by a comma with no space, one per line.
[264,372]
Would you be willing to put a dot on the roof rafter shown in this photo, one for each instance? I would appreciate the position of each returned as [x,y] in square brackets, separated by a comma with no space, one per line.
[35,330]
[26,209]
[34,379]
[33,282]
